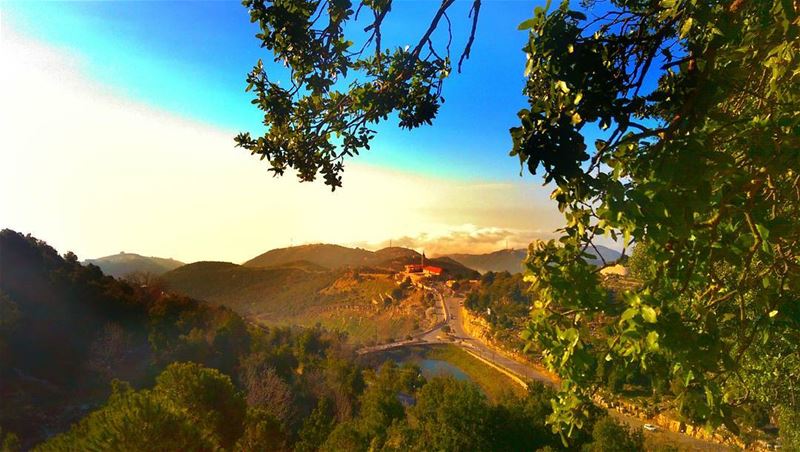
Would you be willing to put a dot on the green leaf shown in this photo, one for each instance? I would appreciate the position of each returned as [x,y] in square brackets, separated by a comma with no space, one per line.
[648,314]
[686,27]
[652,340]
[762,231]
[527,24]
[628,314]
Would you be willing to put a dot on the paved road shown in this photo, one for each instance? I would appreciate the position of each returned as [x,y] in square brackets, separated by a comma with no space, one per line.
[525,371]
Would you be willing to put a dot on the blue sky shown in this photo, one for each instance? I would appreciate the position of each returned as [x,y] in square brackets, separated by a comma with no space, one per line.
[117,126]
[190,58]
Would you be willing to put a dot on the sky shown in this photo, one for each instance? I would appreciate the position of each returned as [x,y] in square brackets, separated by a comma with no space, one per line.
[117,123]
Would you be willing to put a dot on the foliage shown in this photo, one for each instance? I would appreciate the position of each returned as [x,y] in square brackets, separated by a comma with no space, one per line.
[520,423]
[450,415]
[207,396]
[262,432]
[505,294]
[609,435]
[9,442]
[344,437]
[66,330]
[640,263]
[337,90]
[136,420]
[789,424]
[190,408]
[317,426]
[697,163]
[380,405]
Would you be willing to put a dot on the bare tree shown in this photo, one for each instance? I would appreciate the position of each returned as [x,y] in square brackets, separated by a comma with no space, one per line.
[267,390]
[107,350]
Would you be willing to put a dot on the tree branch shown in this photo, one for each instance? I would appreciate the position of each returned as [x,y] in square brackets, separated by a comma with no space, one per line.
[476,9]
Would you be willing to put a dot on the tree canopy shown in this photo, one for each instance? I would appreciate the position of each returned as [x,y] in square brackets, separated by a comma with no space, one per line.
[697,159]
[340,89]
[698,166]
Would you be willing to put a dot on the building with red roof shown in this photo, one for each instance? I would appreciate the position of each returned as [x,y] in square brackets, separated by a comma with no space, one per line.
[431,270]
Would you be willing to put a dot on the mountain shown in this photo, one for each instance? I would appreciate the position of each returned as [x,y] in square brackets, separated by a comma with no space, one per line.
[328,256]
[123,264]
[511,260]
[608,254]
[336,257]
[396,253]
[498,261]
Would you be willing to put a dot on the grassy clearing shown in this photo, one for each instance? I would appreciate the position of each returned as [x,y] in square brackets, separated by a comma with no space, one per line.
[494,383]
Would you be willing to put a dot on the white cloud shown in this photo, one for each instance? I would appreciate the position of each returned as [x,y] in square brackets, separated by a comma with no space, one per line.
[89,171]
[466,238]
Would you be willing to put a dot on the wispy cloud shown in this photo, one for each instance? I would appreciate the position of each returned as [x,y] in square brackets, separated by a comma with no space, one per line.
[466,238]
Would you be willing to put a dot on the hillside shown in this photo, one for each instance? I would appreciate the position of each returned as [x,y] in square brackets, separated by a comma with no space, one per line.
[280,291]
[328,256]
[498,261]
[67,330]
[607,254]
[511,260]
[122,264]
[339,257]
[365,303]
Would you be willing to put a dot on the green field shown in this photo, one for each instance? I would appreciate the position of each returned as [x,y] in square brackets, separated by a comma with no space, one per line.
[494,383]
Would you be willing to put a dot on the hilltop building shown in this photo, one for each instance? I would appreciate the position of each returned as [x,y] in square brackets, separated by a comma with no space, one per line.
[430,270]
[426,270]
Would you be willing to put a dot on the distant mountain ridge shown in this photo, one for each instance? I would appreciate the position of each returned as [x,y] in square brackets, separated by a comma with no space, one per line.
[498,261]
[511,260]
[122,264]
[336,257]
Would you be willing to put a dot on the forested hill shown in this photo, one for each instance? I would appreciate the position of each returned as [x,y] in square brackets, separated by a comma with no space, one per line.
[67,329]
[338,257]
[122,264]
